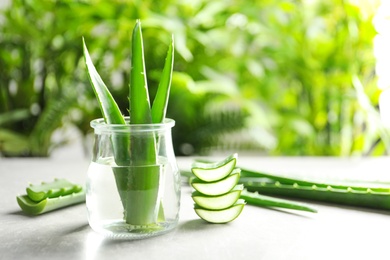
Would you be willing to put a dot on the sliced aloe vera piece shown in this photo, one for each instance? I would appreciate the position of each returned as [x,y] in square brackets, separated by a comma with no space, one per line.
[49,204]
[56,188]
[219,187]
[214,171]
[221,216]
[218,202]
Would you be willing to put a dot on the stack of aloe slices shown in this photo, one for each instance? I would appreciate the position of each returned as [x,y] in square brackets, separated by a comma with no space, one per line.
[217,194]
[219,198]
[45,197]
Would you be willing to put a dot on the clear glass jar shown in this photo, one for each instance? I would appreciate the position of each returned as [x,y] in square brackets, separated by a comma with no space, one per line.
[133,183]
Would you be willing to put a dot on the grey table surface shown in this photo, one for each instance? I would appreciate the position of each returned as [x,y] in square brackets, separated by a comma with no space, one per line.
[335,232]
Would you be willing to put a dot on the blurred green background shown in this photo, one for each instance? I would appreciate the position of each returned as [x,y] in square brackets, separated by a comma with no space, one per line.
[276,77]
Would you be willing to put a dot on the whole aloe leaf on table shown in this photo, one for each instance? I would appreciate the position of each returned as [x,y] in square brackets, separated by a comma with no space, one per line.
[130,150]
[346,192]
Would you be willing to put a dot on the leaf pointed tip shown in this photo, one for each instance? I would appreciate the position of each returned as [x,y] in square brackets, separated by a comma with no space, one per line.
[85,49]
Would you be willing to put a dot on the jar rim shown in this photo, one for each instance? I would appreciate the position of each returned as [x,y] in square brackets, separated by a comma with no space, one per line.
[100,125]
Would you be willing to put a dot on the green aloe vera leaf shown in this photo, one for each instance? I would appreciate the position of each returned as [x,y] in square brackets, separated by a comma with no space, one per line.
[341,184]
[141,204]
[346,192]
[220,216]
[218,202]
[160,102]
[370,197]
[112,115]
[219,187]
[108,106]
[143,181]
[143,151]
[110,110]
[49,204]
[56,188]
[214,171]
[139,96]
[254,198]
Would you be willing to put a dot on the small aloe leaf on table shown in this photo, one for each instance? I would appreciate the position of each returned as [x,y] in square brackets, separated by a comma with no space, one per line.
[138,175]
[49,196]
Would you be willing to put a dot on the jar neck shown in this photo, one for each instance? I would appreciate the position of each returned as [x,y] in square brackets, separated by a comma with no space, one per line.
[100,127]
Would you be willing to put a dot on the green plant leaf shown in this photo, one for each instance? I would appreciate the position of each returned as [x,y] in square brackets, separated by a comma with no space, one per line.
[110,110]
[254,198]
[160,103]
[143,151]
[14,116]
[49,204]
[108,106]
[139,96]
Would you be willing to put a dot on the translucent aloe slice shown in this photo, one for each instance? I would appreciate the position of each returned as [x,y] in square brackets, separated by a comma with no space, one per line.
[218,202]
[214,171]
[219,187]
[221,216]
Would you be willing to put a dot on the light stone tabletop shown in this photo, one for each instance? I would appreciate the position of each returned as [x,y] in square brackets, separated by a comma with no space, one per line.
[335,232]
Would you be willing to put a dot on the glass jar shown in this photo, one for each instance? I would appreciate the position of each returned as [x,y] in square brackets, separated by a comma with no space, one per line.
[133,182]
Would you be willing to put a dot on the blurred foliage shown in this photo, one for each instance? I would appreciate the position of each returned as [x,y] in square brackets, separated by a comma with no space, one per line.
[278,77]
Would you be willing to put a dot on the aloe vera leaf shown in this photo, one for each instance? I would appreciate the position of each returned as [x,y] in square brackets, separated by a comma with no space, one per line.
[57,188]
[139,96]
[107,104]
[142,183]
[217,202]
[110,110]
[143,151]
[214,171]
[346,192]
[254,198]
[219,187]
[49,204]
[160,102]
[220,216]
[112,115]
[343,184]
[370,197]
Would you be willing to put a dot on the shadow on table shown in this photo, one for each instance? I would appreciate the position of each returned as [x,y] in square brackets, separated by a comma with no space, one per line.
[195,225]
